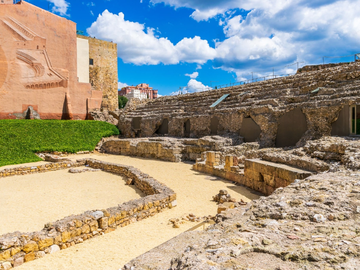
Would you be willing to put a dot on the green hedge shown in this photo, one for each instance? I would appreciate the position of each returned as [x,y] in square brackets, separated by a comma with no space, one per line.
[20,139]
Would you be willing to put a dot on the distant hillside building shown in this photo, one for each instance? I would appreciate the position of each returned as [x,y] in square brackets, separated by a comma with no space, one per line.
[141,91]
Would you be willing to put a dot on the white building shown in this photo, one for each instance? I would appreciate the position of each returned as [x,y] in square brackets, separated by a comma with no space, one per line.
[135,93]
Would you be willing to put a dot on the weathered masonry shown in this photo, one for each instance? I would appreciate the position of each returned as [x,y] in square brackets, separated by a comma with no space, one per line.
[279,112]
[103,72]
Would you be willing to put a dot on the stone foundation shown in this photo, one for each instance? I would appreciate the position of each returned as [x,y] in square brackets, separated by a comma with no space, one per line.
[166,148]
[17,248]
[265,176]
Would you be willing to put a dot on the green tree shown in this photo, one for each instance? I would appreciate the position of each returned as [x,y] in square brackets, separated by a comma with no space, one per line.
[122,101]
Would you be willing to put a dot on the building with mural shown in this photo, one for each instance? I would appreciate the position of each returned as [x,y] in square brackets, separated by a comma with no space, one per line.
[39,71]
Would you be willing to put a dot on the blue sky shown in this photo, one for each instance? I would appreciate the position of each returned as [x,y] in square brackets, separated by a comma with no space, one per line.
[198,44]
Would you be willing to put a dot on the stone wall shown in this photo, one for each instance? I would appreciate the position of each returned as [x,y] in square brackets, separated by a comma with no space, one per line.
[104,71]
[254,110]
[17,248]
[164,148]
[265,176]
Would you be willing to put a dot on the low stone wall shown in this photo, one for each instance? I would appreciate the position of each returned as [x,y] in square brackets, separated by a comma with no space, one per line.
[143,148]
[166,148]
[259,175]
[22,170]
[17,248]
[265,176]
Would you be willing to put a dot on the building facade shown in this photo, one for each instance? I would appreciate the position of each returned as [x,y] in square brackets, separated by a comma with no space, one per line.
[41,73]
[101,66]
[142,90]
[135,93]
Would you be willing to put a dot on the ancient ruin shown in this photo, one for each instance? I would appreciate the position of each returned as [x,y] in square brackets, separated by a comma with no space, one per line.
[278,112]
[19,247]
[291,138]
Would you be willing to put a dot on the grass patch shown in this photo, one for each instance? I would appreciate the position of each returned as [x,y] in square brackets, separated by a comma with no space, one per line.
[21,139]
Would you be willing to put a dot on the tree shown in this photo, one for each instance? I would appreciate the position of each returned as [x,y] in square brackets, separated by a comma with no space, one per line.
[122,101]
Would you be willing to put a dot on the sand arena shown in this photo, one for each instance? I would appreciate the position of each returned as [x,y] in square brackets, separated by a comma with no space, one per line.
[58,194]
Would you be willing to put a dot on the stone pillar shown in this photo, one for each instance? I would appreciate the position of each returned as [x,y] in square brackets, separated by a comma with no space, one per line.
[212,158]
[229,162]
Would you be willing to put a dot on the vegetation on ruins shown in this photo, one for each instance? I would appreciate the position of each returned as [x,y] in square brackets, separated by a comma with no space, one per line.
[21,139]
[122,101]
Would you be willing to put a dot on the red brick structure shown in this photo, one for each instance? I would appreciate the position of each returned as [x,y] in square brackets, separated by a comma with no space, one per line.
[143,87]
[38,66]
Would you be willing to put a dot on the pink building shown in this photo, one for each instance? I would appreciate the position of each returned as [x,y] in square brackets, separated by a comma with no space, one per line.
[143,87]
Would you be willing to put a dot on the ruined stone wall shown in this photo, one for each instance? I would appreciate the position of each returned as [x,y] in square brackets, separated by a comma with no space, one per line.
[17,248]
[168,149]
[104,71]
[311,224]
[265,176]
[38,66]
[254,110]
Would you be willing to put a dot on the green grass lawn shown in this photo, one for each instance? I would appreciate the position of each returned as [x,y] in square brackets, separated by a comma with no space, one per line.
[21,139]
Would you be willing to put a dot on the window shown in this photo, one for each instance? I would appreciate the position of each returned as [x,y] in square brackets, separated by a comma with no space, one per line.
[91,62]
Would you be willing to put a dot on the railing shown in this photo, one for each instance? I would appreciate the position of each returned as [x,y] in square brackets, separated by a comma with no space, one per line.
[356,58]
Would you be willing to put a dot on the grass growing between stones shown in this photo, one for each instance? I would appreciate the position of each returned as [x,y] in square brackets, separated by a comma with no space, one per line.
[21,139]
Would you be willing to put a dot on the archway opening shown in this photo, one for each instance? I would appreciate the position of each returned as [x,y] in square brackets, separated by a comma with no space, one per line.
[250,131]
[163,128]
[187,128]
[214,125]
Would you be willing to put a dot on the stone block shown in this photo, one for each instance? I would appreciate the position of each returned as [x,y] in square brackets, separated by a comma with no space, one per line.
[30,247]
[5,255]
[30,257]
[65,236]
[104,223]
[93,225]
[15,251]
[85,229]
[54,248]
[18,261]
[47,242]
[6,265]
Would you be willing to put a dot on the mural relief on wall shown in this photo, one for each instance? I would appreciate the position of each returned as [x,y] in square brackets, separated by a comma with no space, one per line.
[3,68]
[35,68]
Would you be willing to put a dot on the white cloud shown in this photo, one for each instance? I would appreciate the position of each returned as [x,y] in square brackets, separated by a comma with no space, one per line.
[193,75]
[60,6]
[121,85]
[139,45]
[192,87]
[205,9]
[272,35]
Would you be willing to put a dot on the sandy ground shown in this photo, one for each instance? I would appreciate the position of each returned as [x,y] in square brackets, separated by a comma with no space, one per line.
[111,251]
[55,195]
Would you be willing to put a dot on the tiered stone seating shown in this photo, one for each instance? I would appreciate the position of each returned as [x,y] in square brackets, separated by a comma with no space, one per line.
[335,83]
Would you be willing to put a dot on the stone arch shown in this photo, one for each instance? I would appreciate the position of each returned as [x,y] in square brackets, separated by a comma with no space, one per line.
[250,131]
[187,128]
[214,125]
[291,127]
[163,128]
